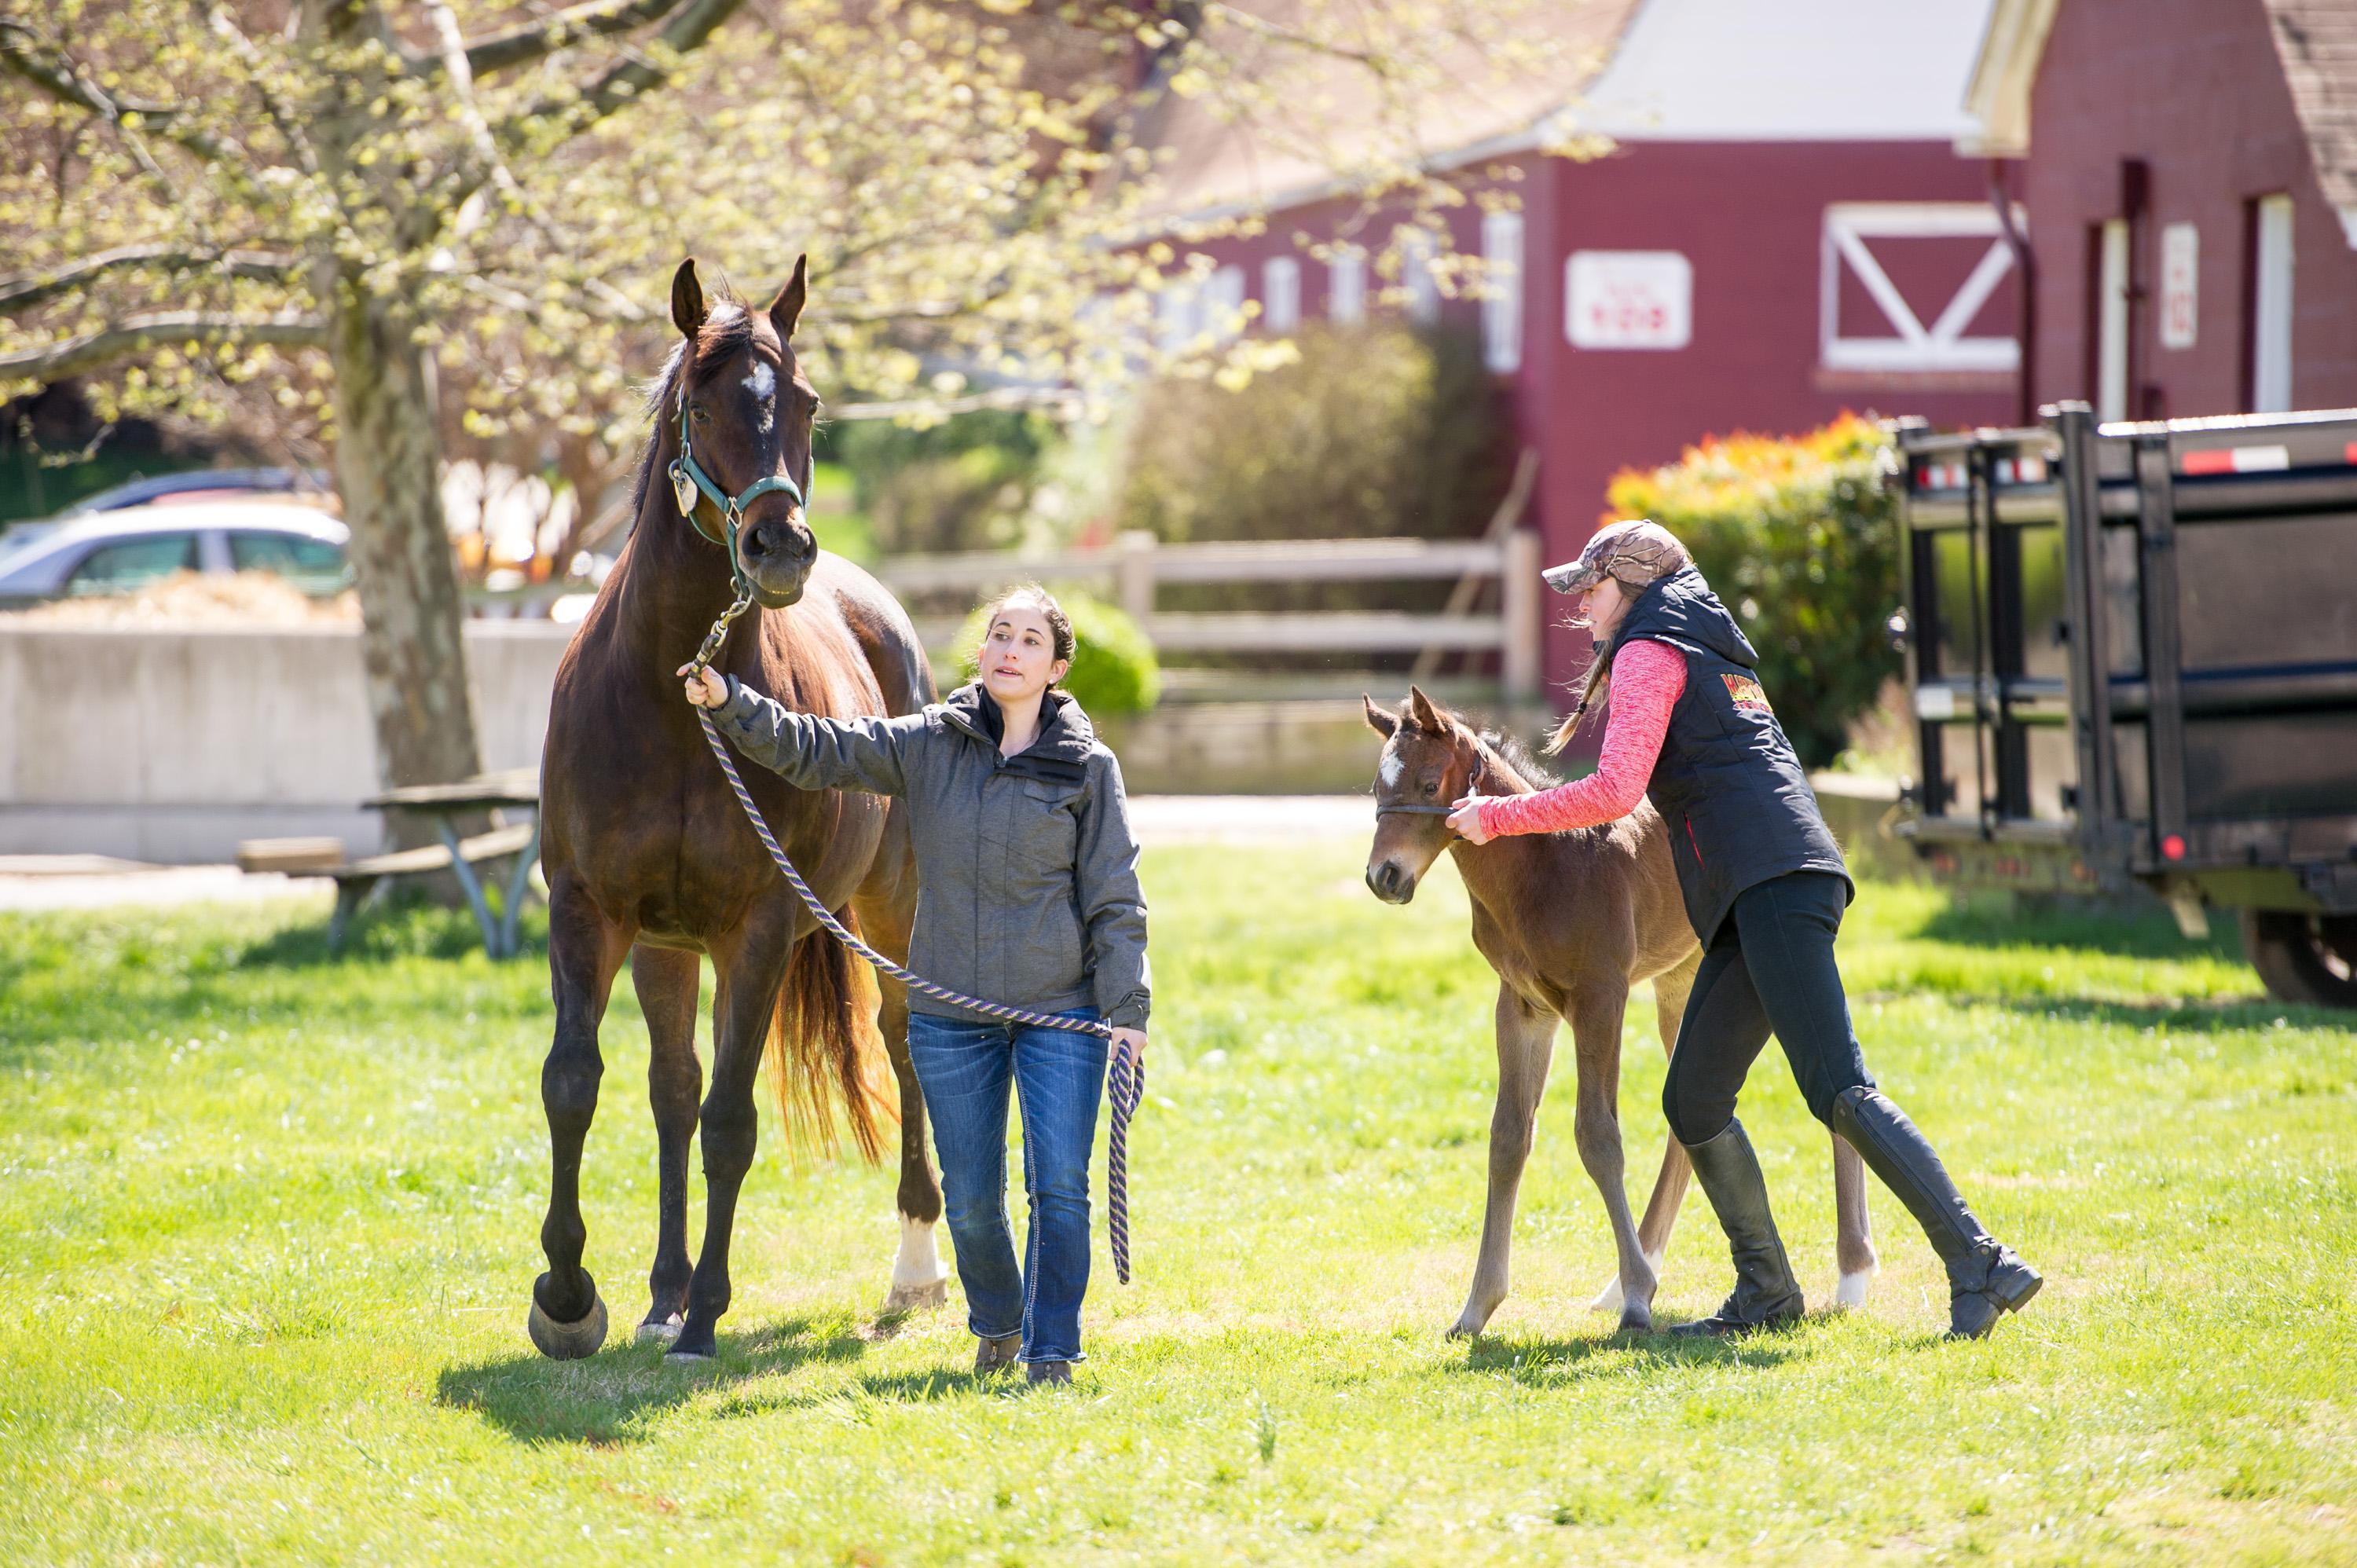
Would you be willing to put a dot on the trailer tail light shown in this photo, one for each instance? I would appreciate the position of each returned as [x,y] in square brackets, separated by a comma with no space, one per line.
[2173,847]
[2238,460]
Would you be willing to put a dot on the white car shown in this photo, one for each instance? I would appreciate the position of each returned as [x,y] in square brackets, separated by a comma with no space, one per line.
[120,552]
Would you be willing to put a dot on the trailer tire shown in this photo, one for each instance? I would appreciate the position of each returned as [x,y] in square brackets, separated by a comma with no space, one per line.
[2304,958]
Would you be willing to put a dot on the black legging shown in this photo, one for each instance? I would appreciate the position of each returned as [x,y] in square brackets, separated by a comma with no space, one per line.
[1771,967]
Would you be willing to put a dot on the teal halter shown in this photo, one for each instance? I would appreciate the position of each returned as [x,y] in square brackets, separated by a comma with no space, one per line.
[687,477]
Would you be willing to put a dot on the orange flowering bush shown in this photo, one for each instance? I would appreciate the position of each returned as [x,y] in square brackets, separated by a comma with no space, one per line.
[1800,537]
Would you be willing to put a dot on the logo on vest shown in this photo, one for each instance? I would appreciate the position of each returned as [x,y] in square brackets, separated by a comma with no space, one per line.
[1746,694]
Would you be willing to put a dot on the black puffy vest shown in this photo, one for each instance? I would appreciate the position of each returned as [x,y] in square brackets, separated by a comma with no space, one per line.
[1739,807]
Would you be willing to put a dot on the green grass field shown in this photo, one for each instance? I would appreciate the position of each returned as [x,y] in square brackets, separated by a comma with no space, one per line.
[269,1222]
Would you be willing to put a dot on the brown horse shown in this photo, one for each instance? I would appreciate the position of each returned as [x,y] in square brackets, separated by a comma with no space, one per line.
[1572,922]
[647,854]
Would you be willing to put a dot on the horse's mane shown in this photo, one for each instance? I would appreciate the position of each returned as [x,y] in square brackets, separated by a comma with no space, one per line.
[727,327]
[1504,754]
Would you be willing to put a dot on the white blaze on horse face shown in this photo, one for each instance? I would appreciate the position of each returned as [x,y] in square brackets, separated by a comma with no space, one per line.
[762,382]
[1392,768]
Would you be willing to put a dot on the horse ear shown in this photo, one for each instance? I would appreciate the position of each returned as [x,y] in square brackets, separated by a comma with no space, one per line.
[787,309]
[1421,712]
[687,300]
[1378,720]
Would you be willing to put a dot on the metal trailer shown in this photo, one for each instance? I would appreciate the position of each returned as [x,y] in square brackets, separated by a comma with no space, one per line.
[2131,651]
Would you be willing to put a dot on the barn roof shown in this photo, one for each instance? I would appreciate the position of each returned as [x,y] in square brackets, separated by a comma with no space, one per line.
[1630,70]
[2314,39]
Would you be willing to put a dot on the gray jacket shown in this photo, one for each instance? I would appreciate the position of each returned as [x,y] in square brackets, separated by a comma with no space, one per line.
[1027,869]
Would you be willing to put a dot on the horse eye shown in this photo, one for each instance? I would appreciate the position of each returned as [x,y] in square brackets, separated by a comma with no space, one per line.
[696,411]
[1432,786]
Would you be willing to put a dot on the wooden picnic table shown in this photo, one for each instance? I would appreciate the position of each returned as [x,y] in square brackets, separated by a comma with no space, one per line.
[514,789]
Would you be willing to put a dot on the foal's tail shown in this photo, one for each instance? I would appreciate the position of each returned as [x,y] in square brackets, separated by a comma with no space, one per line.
[824,1033]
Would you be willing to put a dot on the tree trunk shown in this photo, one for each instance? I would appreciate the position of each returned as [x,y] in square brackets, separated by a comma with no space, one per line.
[389,474]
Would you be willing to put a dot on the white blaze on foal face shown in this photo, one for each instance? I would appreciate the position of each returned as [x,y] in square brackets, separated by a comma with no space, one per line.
[1392,768]
[762,382]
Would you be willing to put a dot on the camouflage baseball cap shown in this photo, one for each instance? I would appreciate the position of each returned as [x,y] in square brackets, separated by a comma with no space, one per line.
[1638,551]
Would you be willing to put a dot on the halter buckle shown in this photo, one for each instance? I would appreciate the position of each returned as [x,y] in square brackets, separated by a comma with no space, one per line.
[683,489]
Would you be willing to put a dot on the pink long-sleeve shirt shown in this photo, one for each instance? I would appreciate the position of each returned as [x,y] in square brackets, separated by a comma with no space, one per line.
[1648,678]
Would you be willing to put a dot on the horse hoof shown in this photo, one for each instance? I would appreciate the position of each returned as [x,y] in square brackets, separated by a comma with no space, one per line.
[658,1330]
[1849,1290]
[1608,1300]
[685,1358]
[912,1298]
[1636,1320]
[568,1341]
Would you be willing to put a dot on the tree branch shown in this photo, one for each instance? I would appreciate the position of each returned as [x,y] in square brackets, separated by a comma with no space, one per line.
[21,55]
[136,335]
[627,78]
[22,292]
[529,41]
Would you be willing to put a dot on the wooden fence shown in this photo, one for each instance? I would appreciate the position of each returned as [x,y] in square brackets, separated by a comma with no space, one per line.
[1136,565]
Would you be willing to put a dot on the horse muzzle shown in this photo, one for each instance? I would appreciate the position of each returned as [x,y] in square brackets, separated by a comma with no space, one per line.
[1390,882]
[776,556]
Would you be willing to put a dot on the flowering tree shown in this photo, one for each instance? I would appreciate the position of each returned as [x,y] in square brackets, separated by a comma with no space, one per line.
[388,225]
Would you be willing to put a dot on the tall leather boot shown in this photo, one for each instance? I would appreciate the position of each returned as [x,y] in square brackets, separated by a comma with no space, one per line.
[1766,1295]
[1986,1279]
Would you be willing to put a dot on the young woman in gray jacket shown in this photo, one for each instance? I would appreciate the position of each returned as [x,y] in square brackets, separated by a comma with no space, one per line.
[1028,895]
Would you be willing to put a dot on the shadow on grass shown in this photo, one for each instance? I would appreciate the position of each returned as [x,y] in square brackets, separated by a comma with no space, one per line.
[1538,1361]
[2062,922]
[604,1398]
[414,928]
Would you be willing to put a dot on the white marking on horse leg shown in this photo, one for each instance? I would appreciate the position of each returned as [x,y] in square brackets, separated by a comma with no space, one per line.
[1608,1299]
[1850,1290]
[919,1277]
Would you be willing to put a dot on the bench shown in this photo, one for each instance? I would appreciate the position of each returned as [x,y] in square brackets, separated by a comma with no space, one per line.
[360,884]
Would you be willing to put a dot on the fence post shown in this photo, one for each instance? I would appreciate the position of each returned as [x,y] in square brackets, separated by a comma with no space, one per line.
[1133,574]
[1518,599]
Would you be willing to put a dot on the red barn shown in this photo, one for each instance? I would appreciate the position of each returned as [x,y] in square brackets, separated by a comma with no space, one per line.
[1782,229]
[2192,190]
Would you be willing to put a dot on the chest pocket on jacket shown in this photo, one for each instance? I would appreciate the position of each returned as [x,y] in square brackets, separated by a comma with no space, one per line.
[1047,838]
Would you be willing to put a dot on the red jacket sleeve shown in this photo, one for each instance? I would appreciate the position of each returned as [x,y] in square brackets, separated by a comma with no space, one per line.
[1648,678]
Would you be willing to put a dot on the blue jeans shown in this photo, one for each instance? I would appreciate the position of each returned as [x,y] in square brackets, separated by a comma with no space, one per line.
[965,1069]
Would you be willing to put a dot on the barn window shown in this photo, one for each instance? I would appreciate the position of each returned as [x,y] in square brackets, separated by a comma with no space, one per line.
[1501,298]
[2270,306]
[1870,323]
[2111,254]
[1280,294]
[1224,300]
[1417,274]
[1346,284]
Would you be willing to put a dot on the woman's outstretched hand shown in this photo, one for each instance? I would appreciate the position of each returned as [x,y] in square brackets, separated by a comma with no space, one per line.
[1130,1043]
[706,688]
[1465,821]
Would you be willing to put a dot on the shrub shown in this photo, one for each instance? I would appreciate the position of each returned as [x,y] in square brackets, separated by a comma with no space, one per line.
[1801,540]
[1375,430]
[1114,670]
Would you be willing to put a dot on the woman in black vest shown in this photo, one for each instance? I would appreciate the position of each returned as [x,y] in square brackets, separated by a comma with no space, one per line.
[1765,888]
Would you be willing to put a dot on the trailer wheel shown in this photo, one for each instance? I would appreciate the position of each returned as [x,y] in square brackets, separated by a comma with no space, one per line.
[2304,958]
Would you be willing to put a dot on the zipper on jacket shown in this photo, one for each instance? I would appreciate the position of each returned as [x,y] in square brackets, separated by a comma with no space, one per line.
[1693,840]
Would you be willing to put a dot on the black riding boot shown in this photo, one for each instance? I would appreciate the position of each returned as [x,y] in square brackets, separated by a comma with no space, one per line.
[1986,1279]
[1766,1295]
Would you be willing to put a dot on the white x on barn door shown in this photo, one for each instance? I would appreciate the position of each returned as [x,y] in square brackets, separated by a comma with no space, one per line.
[1909,345]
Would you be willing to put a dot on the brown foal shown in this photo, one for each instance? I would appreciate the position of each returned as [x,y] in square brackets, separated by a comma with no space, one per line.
[1572,922]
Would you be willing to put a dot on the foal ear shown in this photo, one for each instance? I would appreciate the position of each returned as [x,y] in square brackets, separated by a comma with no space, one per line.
[1422,713]
[787,309]
[1378,720]
[687,300]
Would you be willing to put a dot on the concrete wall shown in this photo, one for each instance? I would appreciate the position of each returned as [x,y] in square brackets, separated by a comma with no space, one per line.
[170,747]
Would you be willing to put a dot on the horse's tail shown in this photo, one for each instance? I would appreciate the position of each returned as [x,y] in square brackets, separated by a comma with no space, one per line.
[823,1036]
